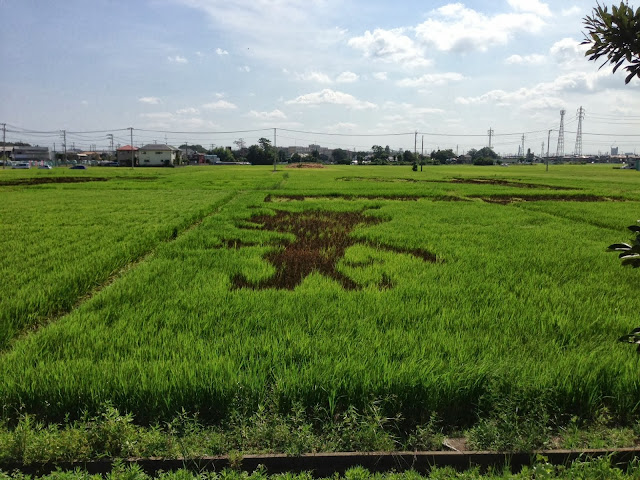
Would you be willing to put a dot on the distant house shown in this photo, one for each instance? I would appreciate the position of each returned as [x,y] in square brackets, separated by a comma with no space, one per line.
[158,155]
[123,155]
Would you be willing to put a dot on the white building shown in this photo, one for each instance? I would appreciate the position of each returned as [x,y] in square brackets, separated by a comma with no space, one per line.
[157,155]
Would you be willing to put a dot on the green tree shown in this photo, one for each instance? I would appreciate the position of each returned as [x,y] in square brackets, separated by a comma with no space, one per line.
[408,156]
[614,36]
[340,156]
[265,144]
[485,152]
[443,155]
[296,157]
[224,154]
[195,148]
[378,152]
[262,154]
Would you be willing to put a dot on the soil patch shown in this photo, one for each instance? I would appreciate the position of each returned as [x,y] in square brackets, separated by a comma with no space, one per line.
[471,181]
[379,179]
[44,180]
[506,183]
[301,198]
[305,165]
[321,239]
[507,199]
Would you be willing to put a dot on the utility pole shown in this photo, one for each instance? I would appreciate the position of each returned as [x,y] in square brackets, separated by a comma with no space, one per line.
[548,141]
[523,144]
[422,153]
[64,144]
[275,150]
[132,153]
[4,144]
[110,137]
[415,145]
[542,151]
[490,135]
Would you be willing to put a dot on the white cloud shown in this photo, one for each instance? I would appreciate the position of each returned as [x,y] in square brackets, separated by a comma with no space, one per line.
[456,28]
[149,100]
[568,52]
[244,68]
[332,97]
[533,59]
[157,115]
[546,94]
[531,6]
[272,115]
[437,79]
[188,111]
[270,30]
[219,105]
[407,111]
[177,59]
[221,52]
[347,77]
[341,127]
[199,54]
[426,110]
[571,11]
[380,75]
[390,46]
[84,103]
[317,77]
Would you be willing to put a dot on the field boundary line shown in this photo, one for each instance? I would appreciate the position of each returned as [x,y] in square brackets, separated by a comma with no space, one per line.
[325,465]
[571,219]
[119,273]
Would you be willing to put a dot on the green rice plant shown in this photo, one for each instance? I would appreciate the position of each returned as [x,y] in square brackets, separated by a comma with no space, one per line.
[506,307]
[58,245]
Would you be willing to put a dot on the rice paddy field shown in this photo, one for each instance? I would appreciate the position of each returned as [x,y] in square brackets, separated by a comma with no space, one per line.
[211,289]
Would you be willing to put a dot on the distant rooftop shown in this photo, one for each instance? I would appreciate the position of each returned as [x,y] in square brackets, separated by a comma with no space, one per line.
[158,147]
[127,148]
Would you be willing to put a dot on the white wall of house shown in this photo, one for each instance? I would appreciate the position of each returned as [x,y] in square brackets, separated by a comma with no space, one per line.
[156,158]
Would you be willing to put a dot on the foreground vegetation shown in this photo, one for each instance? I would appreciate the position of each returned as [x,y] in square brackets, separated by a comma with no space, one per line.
[111,434]
[453,299]
[578,470]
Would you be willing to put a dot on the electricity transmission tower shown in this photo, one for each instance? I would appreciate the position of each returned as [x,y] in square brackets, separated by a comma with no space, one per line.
[490,132]
[578,149]
[560,149]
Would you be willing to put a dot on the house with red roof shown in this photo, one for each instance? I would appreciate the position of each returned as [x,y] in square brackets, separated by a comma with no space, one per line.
[124,154]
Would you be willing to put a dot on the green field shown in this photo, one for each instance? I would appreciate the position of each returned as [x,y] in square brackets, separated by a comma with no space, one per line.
[443,292]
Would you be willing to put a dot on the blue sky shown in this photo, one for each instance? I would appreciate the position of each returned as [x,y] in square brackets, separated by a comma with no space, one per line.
[309,68]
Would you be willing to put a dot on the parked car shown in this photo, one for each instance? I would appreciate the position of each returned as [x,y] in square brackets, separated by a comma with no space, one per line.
[21,165]
[78,167]
[45,167]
